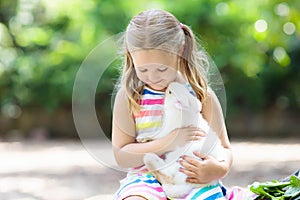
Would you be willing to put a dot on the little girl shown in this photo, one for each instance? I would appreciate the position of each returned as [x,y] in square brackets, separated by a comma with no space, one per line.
[159,50]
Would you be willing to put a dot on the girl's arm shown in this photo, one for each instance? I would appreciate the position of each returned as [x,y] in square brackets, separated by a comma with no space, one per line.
[209,168]
[128,153]
[212,112]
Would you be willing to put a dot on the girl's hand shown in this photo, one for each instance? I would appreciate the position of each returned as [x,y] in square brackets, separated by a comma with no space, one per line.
[179,137]
[202,171]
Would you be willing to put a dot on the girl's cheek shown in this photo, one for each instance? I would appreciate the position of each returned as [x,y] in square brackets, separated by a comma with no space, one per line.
[171,76]
[141,77]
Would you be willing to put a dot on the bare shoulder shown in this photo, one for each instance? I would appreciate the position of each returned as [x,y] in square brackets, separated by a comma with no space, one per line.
[212,112]
[211,106]
[121,104]
[121,95]
[122,117]
[211,94]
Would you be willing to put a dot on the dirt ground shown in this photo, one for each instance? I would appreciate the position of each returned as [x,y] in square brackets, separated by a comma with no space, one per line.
[64,170]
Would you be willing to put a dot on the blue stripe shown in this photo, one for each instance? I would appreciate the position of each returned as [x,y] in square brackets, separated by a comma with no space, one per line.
[224,190]
[193,93]
[214,196]
[147,91]
[189,87]
[203,190]
[137,181]
[150,181]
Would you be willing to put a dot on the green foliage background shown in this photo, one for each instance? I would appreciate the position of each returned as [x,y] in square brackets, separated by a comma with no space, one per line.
[43,43]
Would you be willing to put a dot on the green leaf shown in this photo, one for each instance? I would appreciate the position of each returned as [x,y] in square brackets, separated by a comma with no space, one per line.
[295,181]
[277,190]
[294,189]
[259,189]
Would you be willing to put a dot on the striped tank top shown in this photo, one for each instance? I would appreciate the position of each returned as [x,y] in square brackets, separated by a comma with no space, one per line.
[149,120]
[150,117]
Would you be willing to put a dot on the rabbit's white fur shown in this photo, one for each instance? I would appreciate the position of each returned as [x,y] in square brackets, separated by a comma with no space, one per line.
[181,109]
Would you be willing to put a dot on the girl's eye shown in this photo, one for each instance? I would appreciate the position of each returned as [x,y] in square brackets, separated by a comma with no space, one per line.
[142,70]
[163,69]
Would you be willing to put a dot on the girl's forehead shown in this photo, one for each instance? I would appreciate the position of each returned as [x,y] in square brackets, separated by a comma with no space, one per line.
[153,56]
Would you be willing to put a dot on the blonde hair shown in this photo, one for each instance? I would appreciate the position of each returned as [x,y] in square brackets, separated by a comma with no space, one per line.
[158,29]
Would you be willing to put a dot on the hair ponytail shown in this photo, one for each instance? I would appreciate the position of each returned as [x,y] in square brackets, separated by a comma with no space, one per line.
[192,64]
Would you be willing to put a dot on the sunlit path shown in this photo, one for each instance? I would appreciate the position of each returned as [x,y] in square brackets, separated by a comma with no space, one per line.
[57,170]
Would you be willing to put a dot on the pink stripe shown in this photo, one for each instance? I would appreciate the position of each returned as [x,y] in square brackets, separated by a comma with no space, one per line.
[138,189]
[143,192]
[152,101]
[145,113]
[158,189]
[236,193]
[231,196]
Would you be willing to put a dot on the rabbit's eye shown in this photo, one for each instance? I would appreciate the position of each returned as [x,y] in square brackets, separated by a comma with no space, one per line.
[170,92]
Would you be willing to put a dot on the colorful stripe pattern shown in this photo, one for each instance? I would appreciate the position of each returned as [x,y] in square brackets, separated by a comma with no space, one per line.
[149,119]
[143,184]
[238,193]
[211,192]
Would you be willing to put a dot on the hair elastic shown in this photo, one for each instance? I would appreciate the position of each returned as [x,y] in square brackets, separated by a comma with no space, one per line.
[181,25]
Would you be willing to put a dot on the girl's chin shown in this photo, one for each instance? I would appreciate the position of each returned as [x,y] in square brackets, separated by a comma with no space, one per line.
[157,87]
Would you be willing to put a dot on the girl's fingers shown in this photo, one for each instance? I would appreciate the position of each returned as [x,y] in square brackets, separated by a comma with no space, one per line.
[197,135]
[195,131]
[188,166]
[192,180]
[187,172]
[191,161]
[198,132]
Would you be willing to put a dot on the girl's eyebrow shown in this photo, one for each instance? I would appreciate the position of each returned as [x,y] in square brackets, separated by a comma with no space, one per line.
[152,66]
[141,66]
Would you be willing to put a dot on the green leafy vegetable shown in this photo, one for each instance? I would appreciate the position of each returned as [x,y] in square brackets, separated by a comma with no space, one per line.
[294,190]
[277,190]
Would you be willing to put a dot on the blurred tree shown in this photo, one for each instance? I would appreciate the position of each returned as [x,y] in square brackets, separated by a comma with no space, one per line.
[252,43]
[255,44]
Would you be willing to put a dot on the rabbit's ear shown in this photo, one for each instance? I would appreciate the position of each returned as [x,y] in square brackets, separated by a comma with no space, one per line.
[181,105]
[180,93]
[178,105]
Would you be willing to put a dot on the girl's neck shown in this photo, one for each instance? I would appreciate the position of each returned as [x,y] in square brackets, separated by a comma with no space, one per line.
[163,90]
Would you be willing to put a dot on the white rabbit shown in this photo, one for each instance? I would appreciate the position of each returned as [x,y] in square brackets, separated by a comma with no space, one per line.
[181,109]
